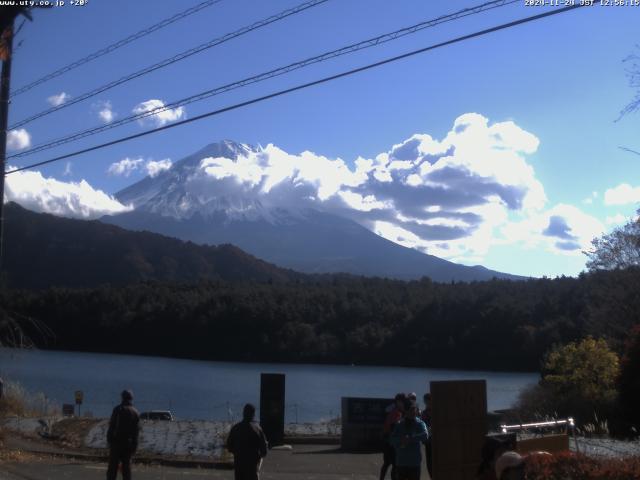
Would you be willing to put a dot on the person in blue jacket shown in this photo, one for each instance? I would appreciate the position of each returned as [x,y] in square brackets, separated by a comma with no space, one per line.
[407,437]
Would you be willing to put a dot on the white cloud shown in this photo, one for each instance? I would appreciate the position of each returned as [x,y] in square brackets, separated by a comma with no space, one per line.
[589,200]
[18,139]
[453,197]
[59,99]
[563,229]
[70,199]
[448,197]
[623,194]
[125,166]
[156,167]
[105,112]
[67,169]
[162,116]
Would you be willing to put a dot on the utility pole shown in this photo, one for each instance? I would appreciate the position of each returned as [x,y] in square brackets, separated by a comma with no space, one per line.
[8,15]
[5,80]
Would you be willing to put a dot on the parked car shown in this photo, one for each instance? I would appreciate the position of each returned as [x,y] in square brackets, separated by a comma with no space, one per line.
[157,415]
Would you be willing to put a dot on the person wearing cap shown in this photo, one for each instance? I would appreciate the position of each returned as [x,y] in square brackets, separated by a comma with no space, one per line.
[510,466]
[248,444]
[122,436]
[394,415]
[407,436]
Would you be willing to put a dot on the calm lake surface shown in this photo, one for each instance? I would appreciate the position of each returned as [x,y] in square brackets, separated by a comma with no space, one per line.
[215,390]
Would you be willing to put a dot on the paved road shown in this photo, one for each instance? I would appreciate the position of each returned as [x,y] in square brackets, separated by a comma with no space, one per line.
[304,462]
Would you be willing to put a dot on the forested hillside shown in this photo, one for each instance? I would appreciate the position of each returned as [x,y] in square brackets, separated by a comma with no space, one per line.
[485,325]
[42,250]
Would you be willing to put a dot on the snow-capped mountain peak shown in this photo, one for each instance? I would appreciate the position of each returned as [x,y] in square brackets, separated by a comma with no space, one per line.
[185,190]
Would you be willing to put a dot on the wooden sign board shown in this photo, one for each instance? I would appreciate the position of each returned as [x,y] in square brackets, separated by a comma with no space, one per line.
[68,409]
[459,426]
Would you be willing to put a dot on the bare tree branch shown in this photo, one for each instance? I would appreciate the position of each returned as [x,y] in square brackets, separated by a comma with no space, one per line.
[633,74]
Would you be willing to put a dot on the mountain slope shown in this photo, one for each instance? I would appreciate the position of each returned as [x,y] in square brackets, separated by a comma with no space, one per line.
[42,250]
[300,238]
[321,243]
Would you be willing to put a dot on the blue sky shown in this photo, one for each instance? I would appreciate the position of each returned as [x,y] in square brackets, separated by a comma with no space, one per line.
[561,80]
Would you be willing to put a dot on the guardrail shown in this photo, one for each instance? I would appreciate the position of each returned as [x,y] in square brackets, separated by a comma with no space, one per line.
[569,423]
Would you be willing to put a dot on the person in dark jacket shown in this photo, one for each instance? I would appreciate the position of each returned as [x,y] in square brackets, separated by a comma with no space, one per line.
[122,437]
[426,416]
[248,444]
[394,415]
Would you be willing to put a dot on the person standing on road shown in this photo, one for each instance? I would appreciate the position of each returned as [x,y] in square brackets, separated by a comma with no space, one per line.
[426,418]
[394,415]
[407,436]
[122,436]
[248,444]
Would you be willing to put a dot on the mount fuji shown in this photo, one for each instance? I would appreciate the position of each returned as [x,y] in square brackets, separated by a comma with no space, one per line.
[177,203]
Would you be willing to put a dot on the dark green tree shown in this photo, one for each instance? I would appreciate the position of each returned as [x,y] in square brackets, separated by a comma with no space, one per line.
[629,381]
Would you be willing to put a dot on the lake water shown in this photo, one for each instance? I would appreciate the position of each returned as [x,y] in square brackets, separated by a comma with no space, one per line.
[217,390]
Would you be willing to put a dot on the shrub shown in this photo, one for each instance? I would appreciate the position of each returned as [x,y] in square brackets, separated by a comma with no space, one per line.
[629,381]
[579,467]
[578,380]
[16,401]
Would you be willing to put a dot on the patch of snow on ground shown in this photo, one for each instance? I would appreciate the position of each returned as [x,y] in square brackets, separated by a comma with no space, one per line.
[184,438]
[606,447]
[29,426]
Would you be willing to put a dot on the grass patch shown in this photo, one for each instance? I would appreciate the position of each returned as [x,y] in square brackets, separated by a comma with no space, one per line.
[17,401]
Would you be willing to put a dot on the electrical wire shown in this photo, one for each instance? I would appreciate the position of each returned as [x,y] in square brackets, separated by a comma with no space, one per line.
[115,46]
[170,61]
[372,42]
[305,85]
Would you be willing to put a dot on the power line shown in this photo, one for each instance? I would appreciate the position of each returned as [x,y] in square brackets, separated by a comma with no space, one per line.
[372,42]
[626,149]
[304,86]
[115,46]
[176,58]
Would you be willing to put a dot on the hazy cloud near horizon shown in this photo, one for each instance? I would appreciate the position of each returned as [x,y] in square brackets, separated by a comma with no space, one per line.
[68,199]
[452,197]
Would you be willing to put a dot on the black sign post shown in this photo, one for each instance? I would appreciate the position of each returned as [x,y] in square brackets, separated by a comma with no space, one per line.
[272,407]
[79,397]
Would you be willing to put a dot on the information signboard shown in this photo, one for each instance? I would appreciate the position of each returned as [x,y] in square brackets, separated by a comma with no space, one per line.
[362,422]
